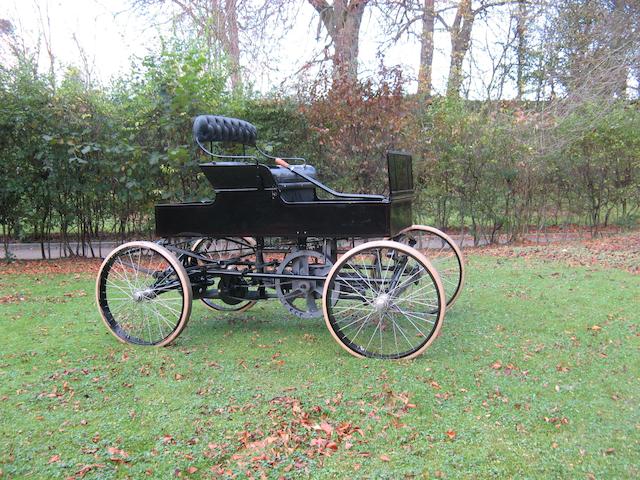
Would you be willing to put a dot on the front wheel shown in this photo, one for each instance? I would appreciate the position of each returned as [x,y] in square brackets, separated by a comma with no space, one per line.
[384,300]
[143,294]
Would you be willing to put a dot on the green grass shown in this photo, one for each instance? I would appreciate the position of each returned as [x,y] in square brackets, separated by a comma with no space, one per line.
[536,375]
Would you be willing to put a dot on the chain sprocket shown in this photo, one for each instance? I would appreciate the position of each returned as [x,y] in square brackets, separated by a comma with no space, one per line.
[303,297]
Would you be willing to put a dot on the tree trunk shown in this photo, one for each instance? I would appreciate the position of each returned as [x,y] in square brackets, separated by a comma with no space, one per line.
[521,32]
[425,73]
[620,19]
[460,41]
[232,43]
[5,241]
[342,21]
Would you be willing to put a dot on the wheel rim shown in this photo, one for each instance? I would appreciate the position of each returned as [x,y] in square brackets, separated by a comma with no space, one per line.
[383,300]
[443,253]
[143,294]
[224,249]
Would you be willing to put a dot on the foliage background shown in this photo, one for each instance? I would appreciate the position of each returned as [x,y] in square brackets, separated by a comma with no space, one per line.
[84,162]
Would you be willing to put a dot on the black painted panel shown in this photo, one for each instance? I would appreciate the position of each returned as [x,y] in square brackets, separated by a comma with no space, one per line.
[263,213]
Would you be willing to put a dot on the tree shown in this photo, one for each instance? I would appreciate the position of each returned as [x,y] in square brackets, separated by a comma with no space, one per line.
[596,41]
[232,29]
[400,17]
[342,22]
[217,22]
[425,72]
[460,36]
[521,53]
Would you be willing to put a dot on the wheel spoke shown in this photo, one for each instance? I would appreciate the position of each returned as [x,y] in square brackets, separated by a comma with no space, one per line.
[228,252]
[383,303]
[130,295]
[444,254]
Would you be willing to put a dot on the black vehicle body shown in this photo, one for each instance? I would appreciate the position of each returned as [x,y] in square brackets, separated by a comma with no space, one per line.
[251,200]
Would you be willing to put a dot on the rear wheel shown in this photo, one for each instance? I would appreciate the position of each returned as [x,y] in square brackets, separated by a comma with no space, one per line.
[383,300]
[143,294]
[443,253]
[241,249]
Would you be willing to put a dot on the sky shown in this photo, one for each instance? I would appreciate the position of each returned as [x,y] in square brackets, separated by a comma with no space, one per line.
[103,28]
[110,34]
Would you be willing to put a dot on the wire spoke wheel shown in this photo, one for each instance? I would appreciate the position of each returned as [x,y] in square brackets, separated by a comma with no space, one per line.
[143,294]
[232,252]
[383,300]
[443,253]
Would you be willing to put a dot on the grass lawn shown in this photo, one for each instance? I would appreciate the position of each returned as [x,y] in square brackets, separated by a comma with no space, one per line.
[536,375]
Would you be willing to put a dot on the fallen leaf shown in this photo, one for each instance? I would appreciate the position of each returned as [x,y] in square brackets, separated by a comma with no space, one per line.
[326,428]
[87,468]
[54,458]
[192,470]
[385,458]
[332,446]
[117,451]
[596,328]
[451,434]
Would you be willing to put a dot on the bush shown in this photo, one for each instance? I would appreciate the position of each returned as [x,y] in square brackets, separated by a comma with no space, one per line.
[82,162]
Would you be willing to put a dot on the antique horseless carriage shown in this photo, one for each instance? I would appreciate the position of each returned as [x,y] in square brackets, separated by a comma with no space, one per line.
[274,231]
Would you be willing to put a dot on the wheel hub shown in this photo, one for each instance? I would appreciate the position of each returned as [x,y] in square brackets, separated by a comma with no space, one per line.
[381,302]
[142,295]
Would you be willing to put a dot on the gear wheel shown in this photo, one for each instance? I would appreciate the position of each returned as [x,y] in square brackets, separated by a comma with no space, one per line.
[303,298]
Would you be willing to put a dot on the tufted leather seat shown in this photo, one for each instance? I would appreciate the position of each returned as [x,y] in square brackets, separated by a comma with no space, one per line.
[215,128]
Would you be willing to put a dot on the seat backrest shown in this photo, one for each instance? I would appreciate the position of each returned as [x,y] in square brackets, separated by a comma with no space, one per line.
[400,168]
[237,176]
[215,128]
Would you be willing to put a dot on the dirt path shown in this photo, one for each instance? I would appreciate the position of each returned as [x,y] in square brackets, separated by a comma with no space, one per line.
[32,251]
[620,251]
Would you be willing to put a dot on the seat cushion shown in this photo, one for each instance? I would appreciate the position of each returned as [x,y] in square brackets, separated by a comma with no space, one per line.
[284,175]
[294,188]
